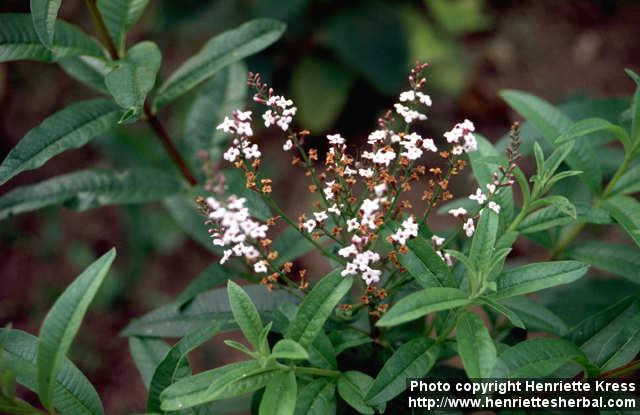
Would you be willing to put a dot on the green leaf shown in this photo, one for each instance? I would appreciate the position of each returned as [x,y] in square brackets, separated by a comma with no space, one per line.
[536,316]
[168,321]
[552,123]
[352,387]
[72,392]
[88,70]
[347,338]
[217,98]
[317,398]
[619,259]
[172,366]
[506,311]
[475,346]
[421,303]
[86,189]
[44,14]
[626,211]
[320,90]
[317,307]
[595,125]
[424,264]
[413,359]
[213,276]
[635,107]
[245,313]
[322,353]
[538,276]
[195,390]
[628,182]
[62,323]
[280,395]
[537,358]
[220,51]
[611,337]
[484,240]
[19,41]
[119,16]
[67,129]
[545,218]
[147,353]
[288,349]
[134,76]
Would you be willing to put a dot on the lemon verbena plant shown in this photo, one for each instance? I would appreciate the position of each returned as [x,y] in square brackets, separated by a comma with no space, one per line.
[419,273]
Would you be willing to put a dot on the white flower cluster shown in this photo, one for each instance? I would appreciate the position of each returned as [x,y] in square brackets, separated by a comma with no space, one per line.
[235,229]
[240,127]
[409,114]
[360,261]
[407,230]
[281,113]
[414,144]
[462,136]
[481,198]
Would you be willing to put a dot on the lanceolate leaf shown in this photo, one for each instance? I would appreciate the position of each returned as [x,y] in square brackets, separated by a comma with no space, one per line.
[538,276]
[168,321]
[119,16]
[317,307]
[423,302]
[536,316]
[169,369]
[244,313]
[317,398]
[352,387]
[413,359]
[134,76]
[629,182]
[220,51]
[288,349]
[88,70]
[44,14]
[424,264]
[619,259]
[626,211]
[87,189]
[475,346]
[67,129]
[19,41]
[72,392]
[280,395]
[62,322]
[147,353]
[611,337]
[194,390]
[536,358]
[484,239]
[545,218]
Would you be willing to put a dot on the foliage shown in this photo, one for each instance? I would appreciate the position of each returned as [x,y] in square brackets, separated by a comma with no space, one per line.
[400,298]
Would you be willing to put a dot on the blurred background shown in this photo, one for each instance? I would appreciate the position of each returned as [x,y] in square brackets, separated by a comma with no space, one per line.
[342,62]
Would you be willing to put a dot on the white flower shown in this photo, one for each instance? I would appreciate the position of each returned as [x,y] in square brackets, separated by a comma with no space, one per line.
[379,189]
[260,267]
[231,154]
[288,145]
[309,225]
[366,173]
[491,188]
[226,255]
[320,216]
[408,114]
[428,144]
[348,251]
[376,136]
[468,125]
[458,212]
[251,151]
[228,125]
[348,171]
[328,190]
[352,224]
[437,240]
[494,206]
[269,118]
[384,156]
[445,257]
[350,269]
[469,228]
[336,139]
[243,115]
[371,276]
[457,150]
[412,153]
[478,196]
[334,209]
[407,96]
[408,229]
[424,98]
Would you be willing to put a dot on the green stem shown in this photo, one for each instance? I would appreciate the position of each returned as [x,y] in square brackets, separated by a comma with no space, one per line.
[152,119]
[316,371]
